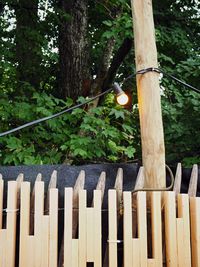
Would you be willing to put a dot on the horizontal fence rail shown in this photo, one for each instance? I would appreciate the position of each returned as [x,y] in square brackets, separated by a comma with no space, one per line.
[159,229]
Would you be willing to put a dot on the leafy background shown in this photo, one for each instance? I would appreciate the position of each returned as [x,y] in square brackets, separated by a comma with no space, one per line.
[107,132]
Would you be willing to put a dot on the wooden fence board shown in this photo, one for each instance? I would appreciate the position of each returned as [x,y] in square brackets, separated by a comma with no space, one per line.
[53,227]
[181,224]
[193,181]
[170,229]
[80,182]
[68,249]
[136,252]
[195,230]
[119,198]
[112,224]
[178,178]
[139,184]
[97,228]
[1,201]
[39,249]
[128,260]
[183,212]
[142,227]
[52,184]
[24,225]
[82,228]
[156,221]
[11,224]
[180,243]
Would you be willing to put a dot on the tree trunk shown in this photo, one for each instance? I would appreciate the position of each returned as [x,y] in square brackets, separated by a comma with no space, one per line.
[73,48]
[28,50]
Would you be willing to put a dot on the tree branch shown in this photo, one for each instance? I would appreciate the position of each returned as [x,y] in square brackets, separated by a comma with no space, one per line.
[116,62]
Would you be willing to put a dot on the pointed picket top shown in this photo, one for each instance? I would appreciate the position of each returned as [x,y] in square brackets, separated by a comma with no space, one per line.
[119,181]
[139,184]
[80,181]
[52,184]
[178,178]
[101,184]
[38,179]
[79,185]
[20,179]
[53,180]
[119,188]
[193,181]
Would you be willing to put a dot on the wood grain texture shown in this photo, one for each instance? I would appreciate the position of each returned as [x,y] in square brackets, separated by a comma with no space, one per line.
[52,184]
[195,230]
[180,243]
[1,202]
[68,228]
[170,229]
[53,227]
[11,223]
[142,226]
[156,222]
[32,203]
[127,229]
[183,212]
[79,185]
[153,148]
[82,228]
[192,191]
[178,178]
[24,225]
[112,227]
[119,196]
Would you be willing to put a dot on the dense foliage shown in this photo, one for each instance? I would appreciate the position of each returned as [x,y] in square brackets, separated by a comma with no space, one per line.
[30,81]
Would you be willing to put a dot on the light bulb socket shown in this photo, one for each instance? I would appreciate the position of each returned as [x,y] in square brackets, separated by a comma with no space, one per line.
[117,89]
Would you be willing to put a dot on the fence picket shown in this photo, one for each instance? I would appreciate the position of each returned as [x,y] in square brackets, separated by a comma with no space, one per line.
[68,249]
[53,227]
[11,224]
[182,230]
[112,224]
[156,228]
[195,230]
[170,229]
[183,212]
[128,248]
[142,227]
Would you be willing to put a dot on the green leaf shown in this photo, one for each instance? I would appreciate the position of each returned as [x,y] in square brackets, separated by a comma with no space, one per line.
[130,151]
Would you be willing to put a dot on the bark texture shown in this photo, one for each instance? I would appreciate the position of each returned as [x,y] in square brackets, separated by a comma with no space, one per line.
[28,51]
[73,48]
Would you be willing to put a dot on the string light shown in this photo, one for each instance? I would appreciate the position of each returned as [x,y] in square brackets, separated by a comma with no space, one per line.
[122,98]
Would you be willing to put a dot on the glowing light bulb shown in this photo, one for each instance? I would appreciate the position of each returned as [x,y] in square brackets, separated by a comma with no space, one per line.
[122,99]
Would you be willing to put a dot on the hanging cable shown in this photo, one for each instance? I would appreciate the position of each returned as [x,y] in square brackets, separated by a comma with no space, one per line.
[139,72]
[159,70]
[54,115]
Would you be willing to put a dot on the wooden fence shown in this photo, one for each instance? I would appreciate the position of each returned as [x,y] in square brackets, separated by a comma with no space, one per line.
[163,232]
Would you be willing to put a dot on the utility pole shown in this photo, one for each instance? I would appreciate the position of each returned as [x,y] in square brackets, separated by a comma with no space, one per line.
[153,148]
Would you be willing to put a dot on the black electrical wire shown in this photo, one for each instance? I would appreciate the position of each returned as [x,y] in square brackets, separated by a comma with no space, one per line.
[142,71]
[159,70]
[54,115]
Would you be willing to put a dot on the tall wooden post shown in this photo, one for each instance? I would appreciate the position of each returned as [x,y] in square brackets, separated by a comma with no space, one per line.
[153,149]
